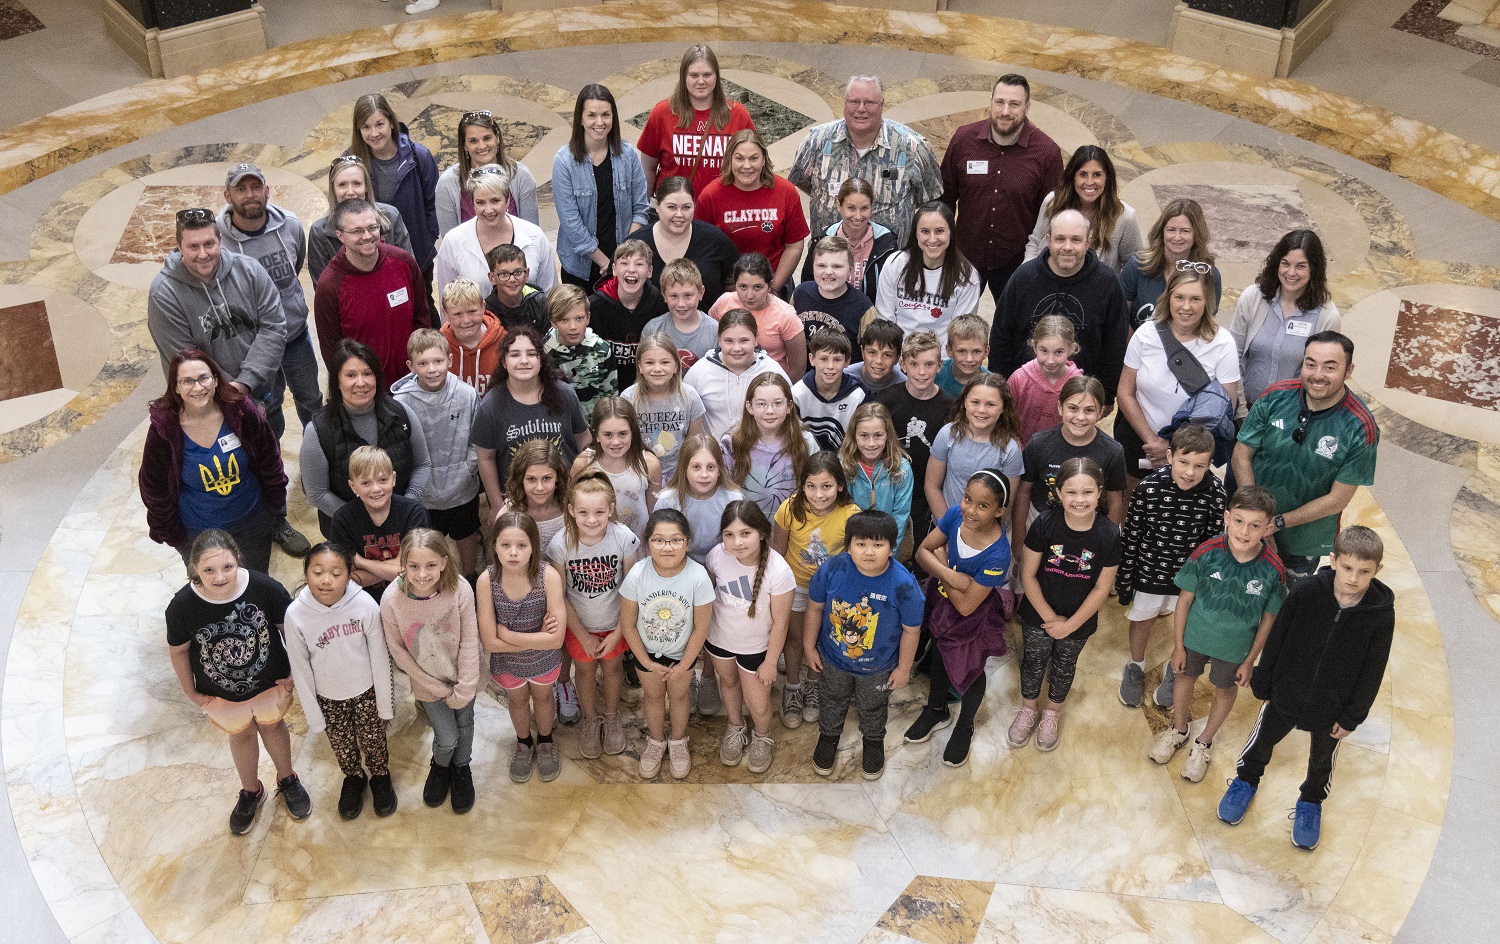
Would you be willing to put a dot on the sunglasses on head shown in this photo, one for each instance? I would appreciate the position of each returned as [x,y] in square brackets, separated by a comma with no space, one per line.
[195,215]
[345,159]
[483,116]
[1202,268]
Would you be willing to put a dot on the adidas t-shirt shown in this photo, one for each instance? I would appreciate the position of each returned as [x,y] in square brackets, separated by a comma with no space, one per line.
[733,628]
[1229,598]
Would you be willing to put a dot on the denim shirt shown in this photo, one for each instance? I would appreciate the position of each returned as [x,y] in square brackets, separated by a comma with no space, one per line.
[576,198]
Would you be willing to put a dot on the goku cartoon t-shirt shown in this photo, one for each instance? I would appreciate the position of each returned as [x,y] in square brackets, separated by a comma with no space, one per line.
[862,616]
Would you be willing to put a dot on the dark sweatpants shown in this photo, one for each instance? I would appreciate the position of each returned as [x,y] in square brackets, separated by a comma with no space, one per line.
[1270,727]
[837,688]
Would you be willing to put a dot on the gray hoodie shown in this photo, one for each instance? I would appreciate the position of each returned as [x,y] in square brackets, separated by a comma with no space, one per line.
[280,249]
[445,417]
[235,317]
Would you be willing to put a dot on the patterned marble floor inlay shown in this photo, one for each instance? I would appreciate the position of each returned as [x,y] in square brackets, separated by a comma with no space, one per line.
[1426,19]
[1246,220]
[773,120]
[16,20]
[28,358]
[1446,353]
[151,231]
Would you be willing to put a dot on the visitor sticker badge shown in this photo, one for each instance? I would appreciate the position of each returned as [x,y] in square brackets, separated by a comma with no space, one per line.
[979,167]
[229,442]
[1299,329]
[398,297]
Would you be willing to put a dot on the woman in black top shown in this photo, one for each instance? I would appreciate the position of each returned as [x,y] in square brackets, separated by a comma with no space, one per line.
[676,235]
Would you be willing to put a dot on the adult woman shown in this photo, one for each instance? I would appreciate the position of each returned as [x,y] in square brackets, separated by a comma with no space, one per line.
[402,170]
[927,297]
[360,412]
[1288,304]
[722,377]
[479,143]
[685,133]
[871,242]
[778,328]
[599,187]
[677,235]
[758,210]
[1180,235]
[349,179]
[211,461]
[527,400]
[462,254]
[1149,391]
[1088,185]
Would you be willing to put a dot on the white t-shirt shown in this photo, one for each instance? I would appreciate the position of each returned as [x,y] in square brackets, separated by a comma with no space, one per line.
[1156,387]
[664,616]
[733,629]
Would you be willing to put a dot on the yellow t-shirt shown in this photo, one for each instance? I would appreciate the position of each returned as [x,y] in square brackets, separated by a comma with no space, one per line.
[813,541]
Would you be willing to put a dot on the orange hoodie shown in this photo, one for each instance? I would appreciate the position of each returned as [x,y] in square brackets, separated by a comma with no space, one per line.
[474,366]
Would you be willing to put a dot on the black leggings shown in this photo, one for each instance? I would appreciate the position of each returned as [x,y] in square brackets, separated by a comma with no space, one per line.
[1040,650]
[937,695]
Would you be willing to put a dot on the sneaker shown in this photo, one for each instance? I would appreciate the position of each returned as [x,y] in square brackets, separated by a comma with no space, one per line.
[1162,697]
[873,759]
[1021,728]
[289,539]
[651,757]
[710,702]
[352,797]
[825,755]
[463,789]
[548,765]
[588,737]
[732,748]
[422,6]
[761,750]
[567,703]
[614,734]
[928,721]
[1236,801]
[1307,825]
[383,794]
[1167,744]
[294,795]
[791,707]
[245,809]
[781,663]
[1132,686]
[520,762]
[439,778]
[1048,732]
[811,701]
[956,754]
[679,759]
[1199,756]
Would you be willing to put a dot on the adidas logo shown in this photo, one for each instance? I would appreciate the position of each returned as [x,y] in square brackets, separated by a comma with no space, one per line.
[1215,576]
[1279,423]
[740,588]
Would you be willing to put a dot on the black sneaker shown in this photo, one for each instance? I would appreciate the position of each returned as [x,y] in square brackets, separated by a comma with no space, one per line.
[874,758]
[632,677]
[289,539]
[439,777]
[294,795]
[956,754]
[825,754]
[352,797]
[463,789]
[928,721]
[245,809]
[383,794]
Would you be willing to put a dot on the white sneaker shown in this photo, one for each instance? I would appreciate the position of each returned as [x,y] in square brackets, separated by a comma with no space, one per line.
[422,6]
[1199,756]
[1167,744]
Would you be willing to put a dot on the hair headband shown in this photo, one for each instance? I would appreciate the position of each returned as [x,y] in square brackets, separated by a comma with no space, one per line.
[1003,486]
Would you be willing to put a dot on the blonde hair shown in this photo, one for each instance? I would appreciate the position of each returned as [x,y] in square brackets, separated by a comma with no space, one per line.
[438,543]
[562,299]
[920,342]
[747,434]
[681,272]
[367,461]
[461,292]
[1208,325]
[491,180]
[657,341]
[426,339]
[700,442]
[523,521]
[1055,326]
[588,482]
[893,454]
[968,328]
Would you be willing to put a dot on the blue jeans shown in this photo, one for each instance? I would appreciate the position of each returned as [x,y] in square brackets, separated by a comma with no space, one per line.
[452,732]
[299,370]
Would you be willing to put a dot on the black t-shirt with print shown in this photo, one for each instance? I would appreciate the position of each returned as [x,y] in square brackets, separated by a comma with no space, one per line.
[236,648]
[1049,449]
[1071,562]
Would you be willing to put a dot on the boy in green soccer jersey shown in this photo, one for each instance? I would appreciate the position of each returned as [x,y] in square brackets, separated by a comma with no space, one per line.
[1231,590]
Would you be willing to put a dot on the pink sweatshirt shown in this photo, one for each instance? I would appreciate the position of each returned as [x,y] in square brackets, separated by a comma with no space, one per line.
[435,642]
[1036,398]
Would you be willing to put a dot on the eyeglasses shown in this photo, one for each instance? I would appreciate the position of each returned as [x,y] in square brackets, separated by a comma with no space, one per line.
[512,276]
[1185,265]
[481,115]
[362,231]
[1304,417]
[195,215]
[204,380]
[668,542]
[343,159]
[760,406]
[866,103]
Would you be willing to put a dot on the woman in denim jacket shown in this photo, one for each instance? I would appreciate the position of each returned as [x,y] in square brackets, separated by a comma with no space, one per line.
[599,188]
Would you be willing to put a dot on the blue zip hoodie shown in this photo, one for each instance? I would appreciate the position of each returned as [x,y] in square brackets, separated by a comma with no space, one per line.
[892,496]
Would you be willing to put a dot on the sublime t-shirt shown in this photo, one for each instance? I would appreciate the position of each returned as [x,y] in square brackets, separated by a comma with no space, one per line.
[593,575]
[695,151]
[664,617]
[863,616]
[236,650]
[1071,563]
[503,424]
[733,628]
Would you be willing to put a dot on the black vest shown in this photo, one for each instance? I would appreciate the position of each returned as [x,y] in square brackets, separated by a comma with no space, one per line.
[339,440]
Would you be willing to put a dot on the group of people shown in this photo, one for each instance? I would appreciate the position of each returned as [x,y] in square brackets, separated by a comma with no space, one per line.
[846,480]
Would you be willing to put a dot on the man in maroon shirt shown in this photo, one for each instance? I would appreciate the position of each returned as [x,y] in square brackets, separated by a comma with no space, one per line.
[995,175]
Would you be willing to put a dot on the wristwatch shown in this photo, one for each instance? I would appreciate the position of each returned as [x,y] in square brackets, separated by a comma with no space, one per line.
[1279,522]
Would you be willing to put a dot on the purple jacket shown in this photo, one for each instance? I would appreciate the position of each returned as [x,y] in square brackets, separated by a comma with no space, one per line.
[161,466]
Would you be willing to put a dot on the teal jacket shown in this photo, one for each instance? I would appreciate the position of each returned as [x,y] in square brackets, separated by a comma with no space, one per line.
[884,494]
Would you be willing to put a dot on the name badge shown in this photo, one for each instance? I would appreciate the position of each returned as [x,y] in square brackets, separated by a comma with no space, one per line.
[229,442]
[1299,329]
[398,297]
[979,167]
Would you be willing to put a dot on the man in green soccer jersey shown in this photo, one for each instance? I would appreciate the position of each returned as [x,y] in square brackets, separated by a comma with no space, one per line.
[1311,442]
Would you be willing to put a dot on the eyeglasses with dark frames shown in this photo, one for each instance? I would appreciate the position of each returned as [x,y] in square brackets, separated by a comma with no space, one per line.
[195,215]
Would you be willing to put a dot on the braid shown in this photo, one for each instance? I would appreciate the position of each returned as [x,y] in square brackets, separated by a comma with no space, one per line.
[760,574]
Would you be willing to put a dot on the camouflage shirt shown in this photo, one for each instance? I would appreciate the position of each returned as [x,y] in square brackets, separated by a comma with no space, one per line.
[588,367]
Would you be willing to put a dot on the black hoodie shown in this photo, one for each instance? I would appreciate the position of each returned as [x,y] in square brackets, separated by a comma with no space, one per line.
[1323,664]
[621,326]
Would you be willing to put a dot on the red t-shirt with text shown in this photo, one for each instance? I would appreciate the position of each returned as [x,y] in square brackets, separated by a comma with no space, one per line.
[763,220]
[696,151]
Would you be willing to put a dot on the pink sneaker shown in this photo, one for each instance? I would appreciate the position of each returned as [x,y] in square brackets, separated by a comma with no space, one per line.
[1021,728]
[1047,732]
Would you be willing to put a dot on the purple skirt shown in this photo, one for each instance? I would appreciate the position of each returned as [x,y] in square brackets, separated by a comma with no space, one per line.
[965,642]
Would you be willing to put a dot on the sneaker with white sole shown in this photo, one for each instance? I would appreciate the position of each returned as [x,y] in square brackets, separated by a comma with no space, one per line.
[811,700]
[710,702]
[651,757]
[1166,690]
[589,737]
[1132,686]
[761,750]
[614,733]
[567,703]
[791,706]
[732,748]
[1048,731]
[1199,756]
[1022,727]
[679,760]
[1167,745]
[422,6]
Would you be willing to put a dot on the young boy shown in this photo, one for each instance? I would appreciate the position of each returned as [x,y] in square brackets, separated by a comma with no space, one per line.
[444,407]
[856,601]
[624,303]
[514,301]
[1173,510]
[694,333]
[373,523]
[826,396]
[586,360]
[473,334]
[918,410]
[828,301]
[1320,672]
[879,345]
[968,349]
[1230,591]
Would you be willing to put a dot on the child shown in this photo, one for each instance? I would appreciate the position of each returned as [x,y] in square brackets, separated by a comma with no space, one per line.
[1174,509]
[225,633]
[778,329]
[433,636]
[669,411]
[444,408]
[722,376]
[809,530]
[767,451]
[879,472]
[1231,589]
[828,301]
[981,436]
[666,603]
[515,301]
[374,523]
[619,453]
[918,411]
[701,490]
[1319,672]
[594,552]
[879,345]
[339,660]
[693,332]
[1081,407]
[826,396]
[473,334]
[521,626]
[1036,384]
[752,603]
[968,557]
[968,349]
[855,603]
[1072,551]
[585,360]
[624,302]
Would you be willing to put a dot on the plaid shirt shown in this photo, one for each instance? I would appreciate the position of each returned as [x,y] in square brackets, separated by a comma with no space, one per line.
[900,167]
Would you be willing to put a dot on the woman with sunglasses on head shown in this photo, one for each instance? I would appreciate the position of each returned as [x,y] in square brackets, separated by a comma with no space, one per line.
[1288,304]
[599,188]
[402,171]
[1088,185]
[685,133]
[1179,239]
[464,253]
[349,179]
[481,142]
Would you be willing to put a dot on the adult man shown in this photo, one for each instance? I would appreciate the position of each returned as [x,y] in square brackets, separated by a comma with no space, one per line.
[1312,442]
[995,175]
[895,160]
[371,292]
[1066,279]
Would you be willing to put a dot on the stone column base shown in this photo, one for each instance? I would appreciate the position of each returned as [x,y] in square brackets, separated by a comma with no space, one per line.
[183,50]
[916,6]
[1247,47]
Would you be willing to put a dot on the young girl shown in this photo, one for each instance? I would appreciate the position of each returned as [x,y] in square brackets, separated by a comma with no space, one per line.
[981,436]
[521,627]
[722,377]
[809,530]
[343,674]
[1067,567]
[594,553]
[538,485]
[768,450]
[1036,383]
[968,557]
[432,635]
[753,589]
[620,454]
[669,411]
[1081,406]
[879,471]
[778,326]
[665,606]
[929,283]
[224,628]
[701,490]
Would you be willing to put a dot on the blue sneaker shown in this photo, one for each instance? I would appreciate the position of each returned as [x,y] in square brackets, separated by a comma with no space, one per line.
[1307,825]
[1236,801]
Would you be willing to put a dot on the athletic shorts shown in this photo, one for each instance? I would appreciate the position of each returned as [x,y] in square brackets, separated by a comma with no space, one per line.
[510,682]
[1220,675]
[575,648]
[1148,606]
[799,599]
[233,717]
[749,662]
[457,523]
